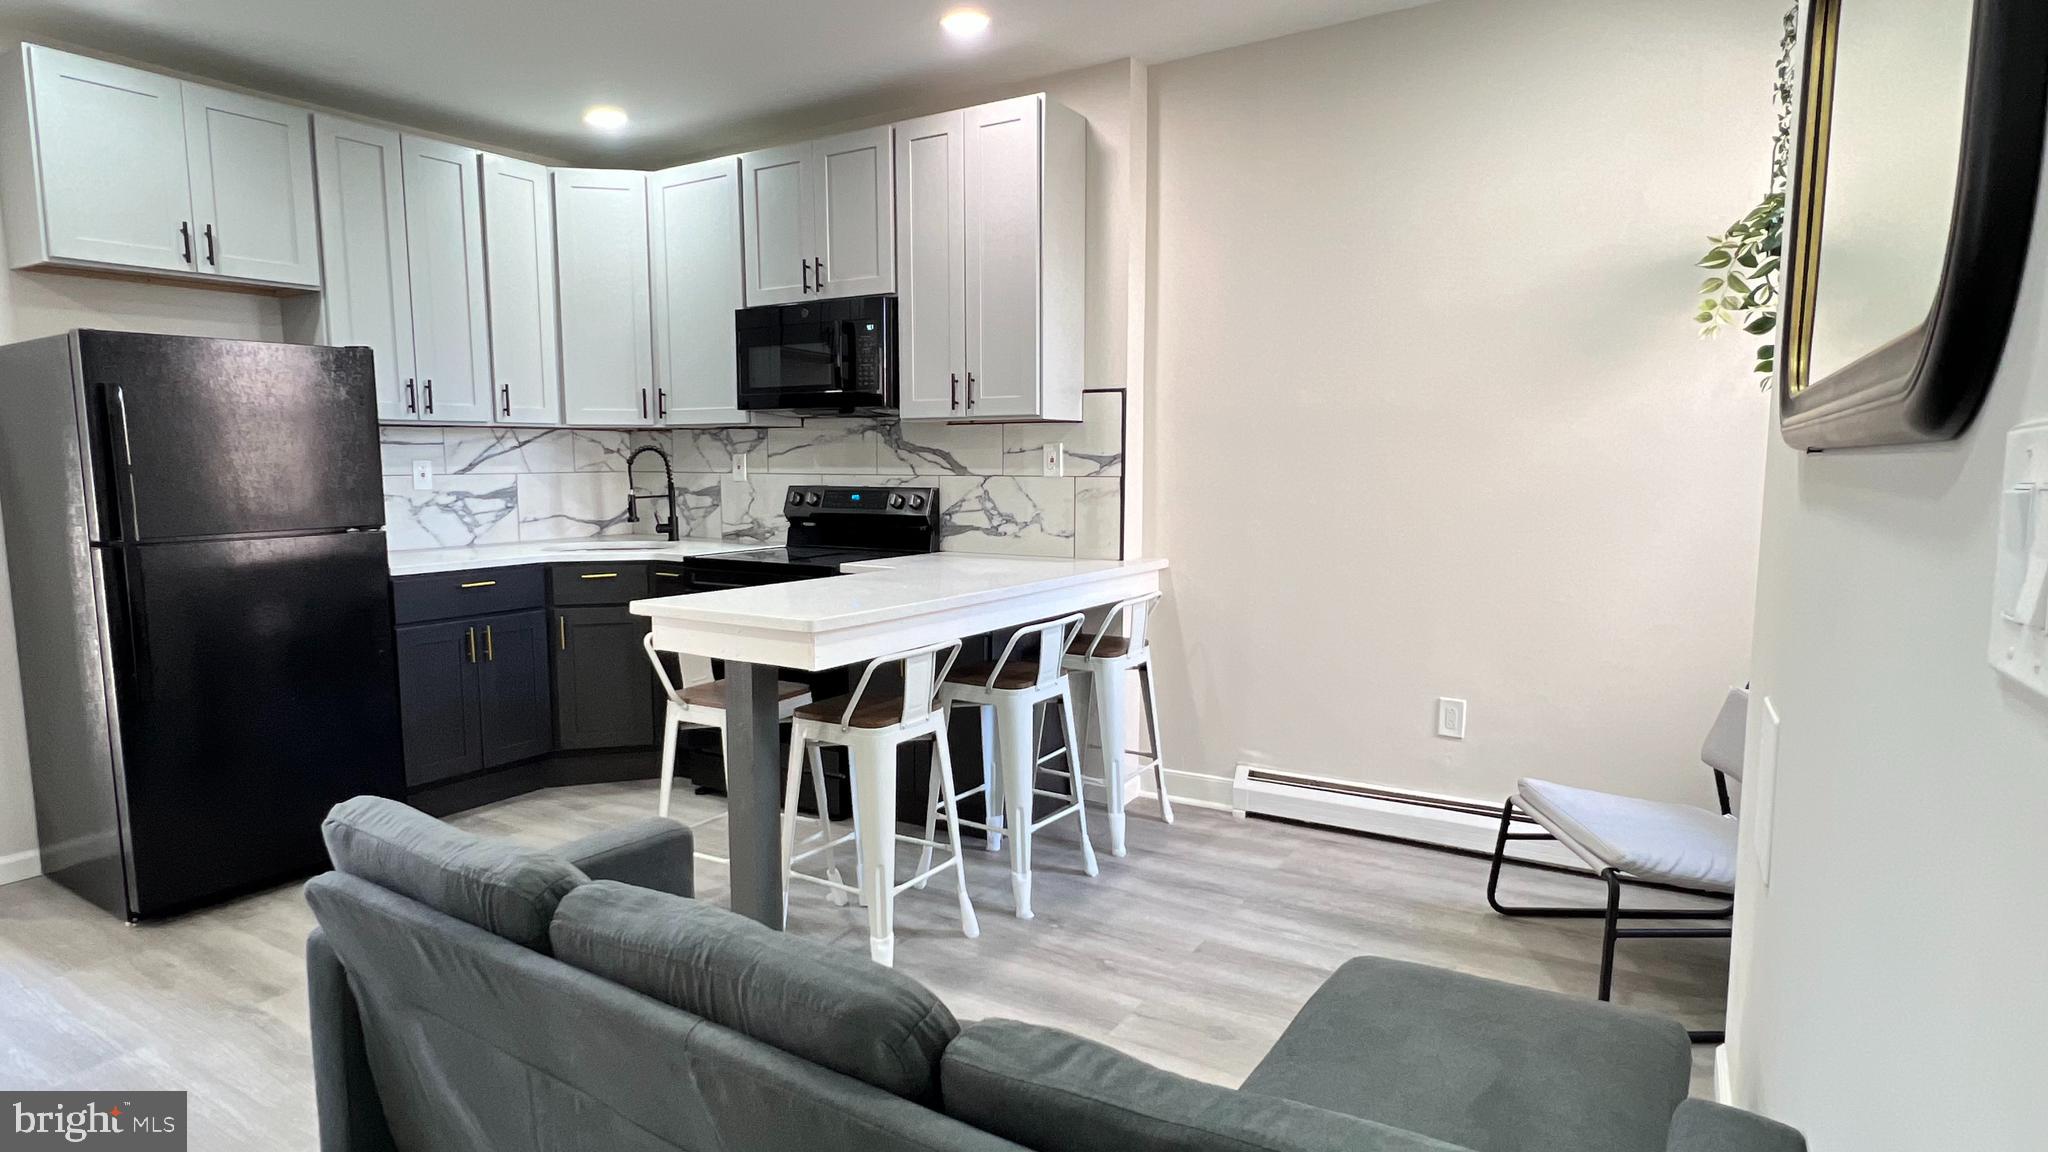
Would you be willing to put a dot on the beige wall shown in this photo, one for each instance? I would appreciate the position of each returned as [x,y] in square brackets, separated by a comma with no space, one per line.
[1887,992]
[1428,414]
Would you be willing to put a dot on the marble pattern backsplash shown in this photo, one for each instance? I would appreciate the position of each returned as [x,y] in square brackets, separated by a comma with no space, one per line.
[503,485]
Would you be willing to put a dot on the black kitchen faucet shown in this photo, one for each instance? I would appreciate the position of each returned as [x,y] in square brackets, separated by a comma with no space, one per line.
[673,529]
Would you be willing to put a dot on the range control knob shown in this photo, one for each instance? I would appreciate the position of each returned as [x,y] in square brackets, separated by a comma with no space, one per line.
[795,497]
[896,501]
[812,499]
[916,502]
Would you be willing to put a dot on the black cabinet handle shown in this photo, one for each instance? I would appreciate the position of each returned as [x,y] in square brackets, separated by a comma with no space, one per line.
[956,389]
[209,247]
[970,392]
[412,397]
[506,391]
[643,403]
[807,276]
[430,393]
[818,267]
[185,239]
[661,403]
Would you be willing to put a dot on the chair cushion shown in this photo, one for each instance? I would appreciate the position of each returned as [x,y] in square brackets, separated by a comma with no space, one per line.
[1648,839]
[826,1005]
[711,693]
[1491,1066]
[504,889]
[1056,1092]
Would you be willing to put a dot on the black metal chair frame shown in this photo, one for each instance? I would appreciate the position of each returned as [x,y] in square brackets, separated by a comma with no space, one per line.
[1613,914]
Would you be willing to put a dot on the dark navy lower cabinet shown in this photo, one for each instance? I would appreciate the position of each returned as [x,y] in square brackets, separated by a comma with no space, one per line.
[604,686]
[514,695]
[437,700]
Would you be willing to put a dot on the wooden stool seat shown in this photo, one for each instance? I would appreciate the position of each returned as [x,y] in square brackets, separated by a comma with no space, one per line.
[1101,648]
[712,693]
[1011,676]
[875,711]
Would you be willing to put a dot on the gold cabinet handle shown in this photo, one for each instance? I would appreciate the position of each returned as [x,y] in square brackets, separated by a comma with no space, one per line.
[472,645]
[481,584]
[670,575]
[600,575]
[562,632]
[490,650]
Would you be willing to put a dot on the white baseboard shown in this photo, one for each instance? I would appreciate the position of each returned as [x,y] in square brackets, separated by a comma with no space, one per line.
[1407,819]
[20,865]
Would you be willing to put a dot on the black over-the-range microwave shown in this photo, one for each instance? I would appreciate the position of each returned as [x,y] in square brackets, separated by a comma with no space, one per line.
[824,356]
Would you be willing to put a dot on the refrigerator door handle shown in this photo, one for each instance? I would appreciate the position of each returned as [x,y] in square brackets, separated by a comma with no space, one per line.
[128,463]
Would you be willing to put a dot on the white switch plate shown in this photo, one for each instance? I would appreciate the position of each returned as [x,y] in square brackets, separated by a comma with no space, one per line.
[1056,459]
[1760,791]
[1450,717]
[739,467]
[423,475]
[2018,646]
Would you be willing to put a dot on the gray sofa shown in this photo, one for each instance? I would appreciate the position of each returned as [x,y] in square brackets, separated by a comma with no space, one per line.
[471,996]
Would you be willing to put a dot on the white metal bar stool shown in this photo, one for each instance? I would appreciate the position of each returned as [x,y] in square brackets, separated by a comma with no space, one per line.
[701,702]
[1015,686]
[1107,660]
[871,727]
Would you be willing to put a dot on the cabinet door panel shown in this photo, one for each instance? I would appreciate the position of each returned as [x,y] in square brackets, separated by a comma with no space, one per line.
[1003,246]
[514,688]
[110,149]
[444,249]
[604,687]
[776,211]
[694,214]
[931,323]
[251,163]
[437,701]
[854,214]
[601,254]
[519,276]
[367,297]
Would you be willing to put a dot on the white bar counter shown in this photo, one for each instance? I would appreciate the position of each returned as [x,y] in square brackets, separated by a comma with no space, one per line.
[873,609]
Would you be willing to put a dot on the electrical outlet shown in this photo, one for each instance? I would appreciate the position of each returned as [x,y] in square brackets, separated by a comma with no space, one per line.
[423,475]
[1056,459]
[1450,717]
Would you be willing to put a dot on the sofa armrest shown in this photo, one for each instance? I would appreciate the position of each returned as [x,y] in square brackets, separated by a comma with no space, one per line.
[1703,1126]
[351,1113]
[652,853]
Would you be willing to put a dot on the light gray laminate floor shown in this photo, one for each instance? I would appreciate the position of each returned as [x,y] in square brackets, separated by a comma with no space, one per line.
[1193,952]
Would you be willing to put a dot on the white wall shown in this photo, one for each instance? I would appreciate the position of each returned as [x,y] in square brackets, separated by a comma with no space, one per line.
[1428,413]
[1888,991]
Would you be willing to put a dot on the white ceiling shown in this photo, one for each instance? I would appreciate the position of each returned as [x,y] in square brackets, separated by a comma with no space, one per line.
[695,75]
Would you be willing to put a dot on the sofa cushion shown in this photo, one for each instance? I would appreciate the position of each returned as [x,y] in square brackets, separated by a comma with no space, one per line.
[1056,1092]
[829,1006]
[1704,1126]
[1494,1067]
[504,889]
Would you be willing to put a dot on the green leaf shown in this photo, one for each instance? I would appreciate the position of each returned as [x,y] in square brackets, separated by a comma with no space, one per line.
[1747,259]
[1767,352]
[1764,366]
[1715,259]
[1761,325]
[1737,284]
[1713,285]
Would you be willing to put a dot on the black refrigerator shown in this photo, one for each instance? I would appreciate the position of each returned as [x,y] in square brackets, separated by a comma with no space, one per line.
[202,607]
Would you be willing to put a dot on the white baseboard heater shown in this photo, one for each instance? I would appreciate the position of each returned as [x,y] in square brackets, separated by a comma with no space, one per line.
[1403,814]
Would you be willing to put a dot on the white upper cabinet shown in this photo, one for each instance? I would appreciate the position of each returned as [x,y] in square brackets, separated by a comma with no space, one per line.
[820,218]
[519,277]
[601,268]
[368,294]
[777,214]
[991,225]
[853,214]
[106,166]
[694,228]
[931,263]
[445,259]
[252,187]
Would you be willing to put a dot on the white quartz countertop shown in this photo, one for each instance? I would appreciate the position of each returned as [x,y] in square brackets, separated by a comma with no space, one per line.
[420,561]
[880,591]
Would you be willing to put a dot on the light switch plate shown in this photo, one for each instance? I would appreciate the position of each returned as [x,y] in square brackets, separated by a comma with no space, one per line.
[1760,790]
[739,467]
[2018,646]
[1056,459]
[423,475]
[1450,717]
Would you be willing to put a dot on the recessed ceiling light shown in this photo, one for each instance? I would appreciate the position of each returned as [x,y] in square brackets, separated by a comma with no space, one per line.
[964,23]
[606,118]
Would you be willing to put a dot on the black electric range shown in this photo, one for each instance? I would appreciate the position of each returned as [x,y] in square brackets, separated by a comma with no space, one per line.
[829,526]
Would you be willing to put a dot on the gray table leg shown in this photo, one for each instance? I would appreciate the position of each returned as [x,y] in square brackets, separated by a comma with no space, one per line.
[753,771]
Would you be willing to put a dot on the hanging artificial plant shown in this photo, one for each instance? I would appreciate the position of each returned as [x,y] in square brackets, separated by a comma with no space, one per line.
[1743,291]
